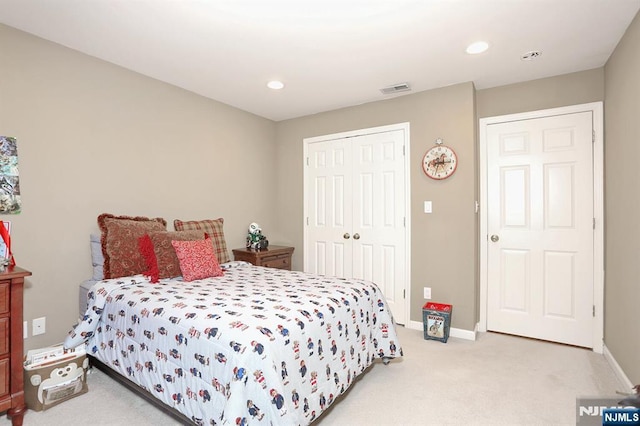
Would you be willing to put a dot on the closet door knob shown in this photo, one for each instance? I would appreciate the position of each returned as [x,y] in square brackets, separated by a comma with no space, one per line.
[495,238]
[356,236]
[346,236]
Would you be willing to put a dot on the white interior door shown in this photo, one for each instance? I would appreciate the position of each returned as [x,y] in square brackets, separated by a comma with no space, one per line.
[540,253]
[356,212]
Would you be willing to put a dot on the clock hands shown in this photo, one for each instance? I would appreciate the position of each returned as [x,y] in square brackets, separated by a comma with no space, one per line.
[439,162]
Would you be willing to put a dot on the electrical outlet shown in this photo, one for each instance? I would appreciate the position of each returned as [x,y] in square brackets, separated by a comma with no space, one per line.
[25,330]
[39,326]
[427,292]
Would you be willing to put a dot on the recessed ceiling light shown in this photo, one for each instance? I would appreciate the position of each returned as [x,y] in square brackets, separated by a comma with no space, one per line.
[477,47]
[529,56]
[275,85]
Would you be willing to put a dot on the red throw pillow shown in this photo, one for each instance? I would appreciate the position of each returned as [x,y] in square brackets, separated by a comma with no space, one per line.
[197,259]
[146,250]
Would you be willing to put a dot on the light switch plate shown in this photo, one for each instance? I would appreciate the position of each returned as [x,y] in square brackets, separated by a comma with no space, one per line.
[39,326]
[427,292]
[428,207]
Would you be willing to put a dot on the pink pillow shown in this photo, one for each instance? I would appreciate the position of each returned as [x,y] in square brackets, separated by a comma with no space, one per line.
[197,259]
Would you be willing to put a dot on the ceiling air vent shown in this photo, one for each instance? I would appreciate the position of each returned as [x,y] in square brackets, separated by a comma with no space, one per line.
[400,87]
[529,56]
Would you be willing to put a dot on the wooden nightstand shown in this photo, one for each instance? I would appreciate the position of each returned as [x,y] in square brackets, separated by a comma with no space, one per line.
[271,257]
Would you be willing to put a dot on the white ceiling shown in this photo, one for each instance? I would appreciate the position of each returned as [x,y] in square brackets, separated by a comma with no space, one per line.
[329,53]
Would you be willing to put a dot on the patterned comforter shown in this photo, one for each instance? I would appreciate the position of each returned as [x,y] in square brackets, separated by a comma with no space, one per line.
[255,346]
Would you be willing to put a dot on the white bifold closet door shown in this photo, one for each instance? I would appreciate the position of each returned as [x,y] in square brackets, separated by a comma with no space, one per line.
[355,192]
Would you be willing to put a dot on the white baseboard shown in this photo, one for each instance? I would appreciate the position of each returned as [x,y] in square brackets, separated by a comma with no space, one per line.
[453,332]
[624,380]
[464,334]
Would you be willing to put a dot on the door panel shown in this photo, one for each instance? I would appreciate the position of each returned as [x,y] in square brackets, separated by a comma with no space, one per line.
[514,293]
[540,207]
[559,273]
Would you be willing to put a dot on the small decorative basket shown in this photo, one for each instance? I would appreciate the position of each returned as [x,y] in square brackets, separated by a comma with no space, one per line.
[436,318]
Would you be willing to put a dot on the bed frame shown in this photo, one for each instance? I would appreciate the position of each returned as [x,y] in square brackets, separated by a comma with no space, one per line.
[94,362]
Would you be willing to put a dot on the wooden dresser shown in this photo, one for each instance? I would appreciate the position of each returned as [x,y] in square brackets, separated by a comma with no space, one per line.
[11,344]
[271,257]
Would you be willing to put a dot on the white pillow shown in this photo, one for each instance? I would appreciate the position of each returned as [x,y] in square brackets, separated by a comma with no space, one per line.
[97,258]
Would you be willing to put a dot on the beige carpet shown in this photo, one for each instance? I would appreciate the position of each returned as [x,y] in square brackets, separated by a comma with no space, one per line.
[496,380]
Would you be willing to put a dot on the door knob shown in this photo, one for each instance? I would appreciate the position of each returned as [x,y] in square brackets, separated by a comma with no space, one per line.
[356,236]
[346,236]
[494,238]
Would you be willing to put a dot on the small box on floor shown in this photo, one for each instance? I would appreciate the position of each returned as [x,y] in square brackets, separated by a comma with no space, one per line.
[436,318]
[54,375]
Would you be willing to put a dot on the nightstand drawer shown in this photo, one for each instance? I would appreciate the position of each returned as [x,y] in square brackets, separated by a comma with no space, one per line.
[4,297]
[281,262]
[271,257]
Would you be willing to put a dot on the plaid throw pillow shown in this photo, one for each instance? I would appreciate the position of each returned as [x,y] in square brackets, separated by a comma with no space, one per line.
[213,227]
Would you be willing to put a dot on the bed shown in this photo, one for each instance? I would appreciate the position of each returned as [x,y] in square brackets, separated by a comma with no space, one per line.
[254,346]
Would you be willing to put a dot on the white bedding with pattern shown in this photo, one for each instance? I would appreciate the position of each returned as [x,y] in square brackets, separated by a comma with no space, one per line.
[255,346]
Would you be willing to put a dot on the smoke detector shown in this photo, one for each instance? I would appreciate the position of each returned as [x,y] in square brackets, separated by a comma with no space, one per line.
[400,87]
[529,56]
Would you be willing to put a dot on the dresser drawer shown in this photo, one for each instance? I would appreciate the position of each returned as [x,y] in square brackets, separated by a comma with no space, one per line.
[4,336]
[281,262]
[4,296]
[4,376]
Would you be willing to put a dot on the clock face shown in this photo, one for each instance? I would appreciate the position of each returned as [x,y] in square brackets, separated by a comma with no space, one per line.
[439,162]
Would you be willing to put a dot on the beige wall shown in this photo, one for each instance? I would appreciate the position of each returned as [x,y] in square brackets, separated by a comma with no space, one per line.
[568,89]
[443,246]
[622,205]
[94,138]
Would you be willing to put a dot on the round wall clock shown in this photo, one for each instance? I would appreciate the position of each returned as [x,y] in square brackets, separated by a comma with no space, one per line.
[439,162]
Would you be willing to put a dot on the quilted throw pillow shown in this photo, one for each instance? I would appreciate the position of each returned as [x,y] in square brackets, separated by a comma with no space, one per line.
[160,255]
[119,242]
[213,227]
[197,259]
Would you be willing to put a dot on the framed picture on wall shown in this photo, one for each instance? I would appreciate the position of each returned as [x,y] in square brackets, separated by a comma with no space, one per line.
[10,202]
